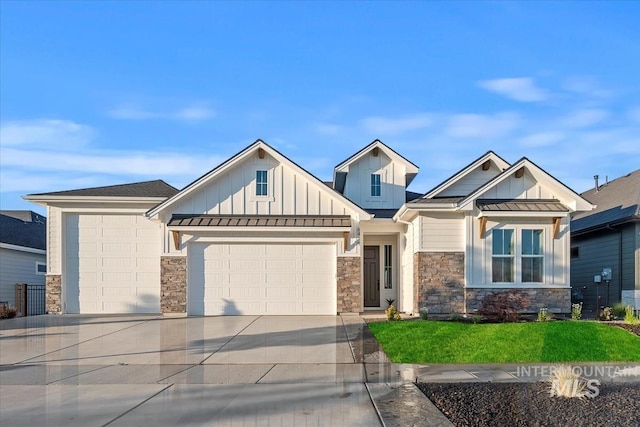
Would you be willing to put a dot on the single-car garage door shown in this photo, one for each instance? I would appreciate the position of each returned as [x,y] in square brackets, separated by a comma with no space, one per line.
[112,264]
[261,278]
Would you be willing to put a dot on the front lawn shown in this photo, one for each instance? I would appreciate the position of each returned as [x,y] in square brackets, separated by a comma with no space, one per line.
[456,342]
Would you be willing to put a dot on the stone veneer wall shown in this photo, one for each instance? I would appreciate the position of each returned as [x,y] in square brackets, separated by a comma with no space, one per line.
[555,300]
[438,279]
[53,289]
[173,284]
[349,286]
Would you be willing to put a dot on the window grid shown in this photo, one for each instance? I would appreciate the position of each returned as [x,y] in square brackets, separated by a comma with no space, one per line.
[532,256]
[503,256]
[262,187]
[388,269]
[375,185]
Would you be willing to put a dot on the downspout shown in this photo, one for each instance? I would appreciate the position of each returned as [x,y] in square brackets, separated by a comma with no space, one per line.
[619,230]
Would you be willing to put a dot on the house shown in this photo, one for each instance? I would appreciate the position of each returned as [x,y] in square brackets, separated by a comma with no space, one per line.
[22,251]
[260,235]
[608,238]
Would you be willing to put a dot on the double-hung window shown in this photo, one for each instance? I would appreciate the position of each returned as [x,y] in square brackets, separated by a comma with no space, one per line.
[532,256]
[503,256]
[375,185]
[517,256]
[262,185]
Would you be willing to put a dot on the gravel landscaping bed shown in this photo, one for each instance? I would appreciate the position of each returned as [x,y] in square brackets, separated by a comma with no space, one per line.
[530,404]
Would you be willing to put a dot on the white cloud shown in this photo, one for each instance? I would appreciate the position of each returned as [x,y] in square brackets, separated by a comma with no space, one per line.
[481,126]
[541,139]
[518,88]
[189,114]
[394,126]
[51,133]
[584,118]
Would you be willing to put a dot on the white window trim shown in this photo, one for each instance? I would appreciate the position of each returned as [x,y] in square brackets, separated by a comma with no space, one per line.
[40,273]
[379,186]
[270,182]
[517,268]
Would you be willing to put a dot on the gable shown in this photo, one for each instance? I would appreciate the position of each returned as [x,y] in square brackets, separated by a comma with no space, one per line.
[232,189]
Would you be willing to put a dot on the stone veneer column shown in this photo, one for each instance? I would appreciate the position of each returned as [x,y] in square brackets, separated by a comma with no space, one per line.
[438,279]
[349,286]
[53,290]
[556,300]
[173,284]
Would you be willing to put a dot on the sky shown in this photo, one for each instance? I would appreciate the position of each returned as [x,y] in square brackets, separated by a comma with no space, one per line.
[104,93]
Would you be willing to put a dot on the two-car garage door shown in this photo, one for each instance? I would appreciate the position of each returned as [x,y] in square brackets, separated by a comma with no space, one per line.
[261,278]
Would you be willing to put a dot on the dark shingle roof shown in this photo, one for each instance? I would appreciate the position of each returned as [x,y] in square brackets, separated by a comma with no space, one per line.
[157,188]
[260,221]
[382,213]
[436,200]
[518,205]
[617,202]
[23,228]
[412,195]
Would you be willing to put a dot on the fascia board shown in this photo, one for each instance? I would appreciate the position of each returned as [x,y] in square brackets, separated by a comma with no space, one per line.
[46,200]
[23,249]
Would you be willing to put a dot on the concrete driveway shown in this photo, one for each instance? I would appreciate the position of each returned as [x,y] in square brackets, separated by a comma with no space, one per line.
[150,370]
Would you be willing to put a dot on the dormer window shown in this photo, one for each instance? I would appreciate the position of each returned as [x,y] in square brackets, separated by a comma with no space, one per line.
[262,186]
[375,185]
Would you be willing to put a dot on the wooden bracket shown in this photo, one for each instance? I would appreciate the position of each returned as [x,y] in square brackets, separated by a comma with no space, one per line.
[556,226]
[375,151]
[261,153]
[176,239]
[483,226]
[486,165]
[345,240]
[520,172]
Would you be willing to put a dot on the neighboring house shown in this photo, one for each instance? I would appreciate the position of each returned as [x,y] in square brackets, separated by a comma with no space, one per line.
[22,251]
[260,235]
[608,237]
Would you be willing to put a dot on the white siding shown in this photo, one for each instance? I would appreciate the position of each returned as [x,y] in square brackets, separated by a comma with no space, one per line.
[471,182]
[392,177]
[18,267]
[54,246]
[556,260]
[441,232]
[518,188]
[407,267]
[290,193]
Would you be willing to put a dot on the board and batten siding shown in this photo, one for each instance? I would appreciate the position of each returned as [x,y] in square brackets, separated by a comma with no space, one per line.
[18,267]
[441,232]
[471,182]
[392,182]
[406,261]
[479,255]
[518,188]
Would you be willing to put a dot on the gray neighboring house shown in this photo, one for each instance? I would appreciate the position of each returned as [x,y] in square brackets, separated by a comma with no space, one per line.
[23,256]
[608,237]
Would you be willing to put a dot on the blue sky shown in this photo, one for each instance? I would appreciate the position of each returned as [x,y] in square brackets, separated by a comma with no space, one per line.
[97,94]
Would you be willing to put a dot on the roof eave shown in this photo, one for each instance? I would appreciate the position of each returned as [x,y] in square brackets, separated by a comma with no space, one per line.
[46,200]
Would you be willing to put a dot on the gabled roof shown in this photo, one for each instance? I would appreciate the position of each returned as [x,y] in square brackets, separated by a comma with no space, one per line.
[566,195]
[489,156]
[156,188]
[340,171]
[617,202]
[229,163]
[23,228]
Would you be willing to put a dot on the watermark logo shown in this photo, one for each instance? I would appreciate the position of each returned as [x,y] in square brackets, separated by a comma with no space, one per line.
[575,387]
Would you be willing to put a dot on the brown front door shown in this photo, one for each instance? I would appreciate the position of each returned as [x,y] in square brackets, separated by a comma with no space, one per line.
[371,276]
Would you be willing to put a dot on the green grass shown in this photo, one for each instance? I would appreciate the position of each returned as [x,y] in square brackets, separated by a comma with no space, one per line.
[455,342]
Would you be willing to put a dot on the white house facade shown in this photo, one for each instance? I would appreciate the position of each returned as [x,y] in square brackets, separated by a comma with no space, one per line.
[259,235]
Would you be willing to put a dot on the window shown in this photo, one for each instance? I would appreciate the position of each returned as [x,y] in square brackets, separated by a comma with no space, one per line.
[375,185]
[503,256]
[388,272]
[41,268]
[575,252]
[532,256]
[262,187]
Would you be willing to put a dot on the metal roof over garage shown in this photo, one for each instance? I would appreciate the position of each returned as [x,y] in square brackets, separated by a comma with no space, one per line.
[260,221]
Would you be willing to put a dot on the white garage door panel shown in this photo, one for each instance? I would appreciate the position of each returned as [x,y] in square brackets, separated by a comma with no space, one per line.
[113,264]
[258,279]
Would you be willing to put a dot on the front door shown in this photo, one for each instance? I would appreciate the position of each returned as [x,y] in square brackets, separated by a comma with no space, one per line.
[371,276]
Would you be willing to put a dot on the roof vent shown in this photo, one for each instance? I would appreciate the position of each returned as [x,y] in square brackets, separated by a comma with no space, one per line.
[595,178]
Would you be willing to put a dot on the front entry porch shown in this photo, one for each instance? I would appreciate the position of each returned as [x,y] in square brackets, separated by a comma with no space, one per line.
[379,271]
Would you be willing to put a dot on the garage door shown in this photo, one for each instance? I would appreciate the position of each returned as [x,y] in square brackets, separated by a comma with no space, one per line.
[253,279]
[113,264]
